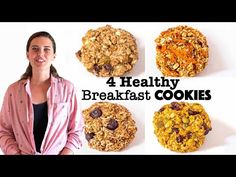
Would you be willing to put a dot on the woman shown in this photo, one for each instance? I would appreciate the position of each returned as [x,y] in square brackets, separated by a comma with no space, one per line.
[40,112]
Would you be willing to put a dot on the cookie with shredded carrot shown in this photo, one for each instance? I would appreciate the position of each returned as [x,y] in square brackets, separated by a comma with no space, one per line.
[108,126]
[108,51]
[181,51]
[181,126]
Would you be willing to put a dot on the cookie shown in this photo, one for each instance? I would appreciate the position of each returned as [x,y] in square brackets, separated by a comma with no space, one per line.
[108,126]
[108,51]
[181,126]
[181,51]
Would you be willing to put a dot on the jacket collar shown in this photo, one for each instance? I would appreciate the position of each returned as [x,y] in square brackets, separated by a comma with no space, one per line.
[27,81]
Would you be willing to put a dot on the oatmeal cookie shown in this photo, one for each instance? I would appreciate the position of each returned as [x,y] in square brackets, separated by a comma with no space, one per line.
[108,51]
[108,126]
[181,126]
[181,51]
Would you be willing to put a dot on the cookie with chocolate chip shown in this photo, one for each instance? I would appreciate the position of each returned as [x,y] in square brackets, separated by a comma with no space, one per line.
[181,126]
[181,51]
[108,51]
[108,126]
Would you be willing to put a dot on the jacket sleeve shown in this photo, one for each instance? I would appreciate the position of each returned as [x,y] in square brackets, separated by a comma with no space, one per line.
[8,142]
[76,124]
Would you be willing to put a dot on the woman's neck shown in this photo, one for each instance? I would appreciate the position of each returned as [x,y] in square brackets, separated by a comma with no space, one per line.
[40,77]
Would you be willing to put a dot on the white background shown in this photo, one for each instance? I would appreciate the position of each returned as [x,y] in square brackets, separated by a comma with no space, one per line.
[219,76]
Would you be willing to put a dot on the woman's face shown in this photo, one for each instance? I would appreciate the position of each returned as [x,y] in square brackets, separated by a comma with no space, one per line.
[41,54]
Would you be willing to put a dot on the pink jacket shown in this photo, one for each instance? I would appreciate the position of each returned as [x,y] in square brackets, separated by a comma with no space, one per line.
[65,122]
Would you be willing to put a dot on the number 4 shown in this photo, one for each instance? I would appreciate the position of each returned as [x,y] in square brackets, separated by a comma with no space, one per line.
[111,82]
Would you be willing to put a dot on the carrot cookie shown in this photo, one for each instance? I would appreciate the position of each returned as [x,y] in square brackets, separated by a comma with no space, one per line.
[181,51]
[108,126]
[108,51]
[181,126]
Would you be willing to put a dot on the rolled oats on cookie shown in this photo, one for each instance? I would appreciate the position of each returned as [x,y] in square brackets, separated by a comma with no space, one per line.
[181,51]
[181,126]
[108,51]
[108,126]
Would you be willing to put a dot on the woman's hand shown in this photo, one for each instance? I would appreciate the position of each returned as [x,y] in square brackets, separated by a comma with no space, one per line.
[66,151]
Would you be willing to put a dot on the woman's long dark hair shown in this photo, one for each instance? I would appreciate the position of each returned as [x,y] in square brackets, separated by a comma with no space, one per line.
[28,72]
